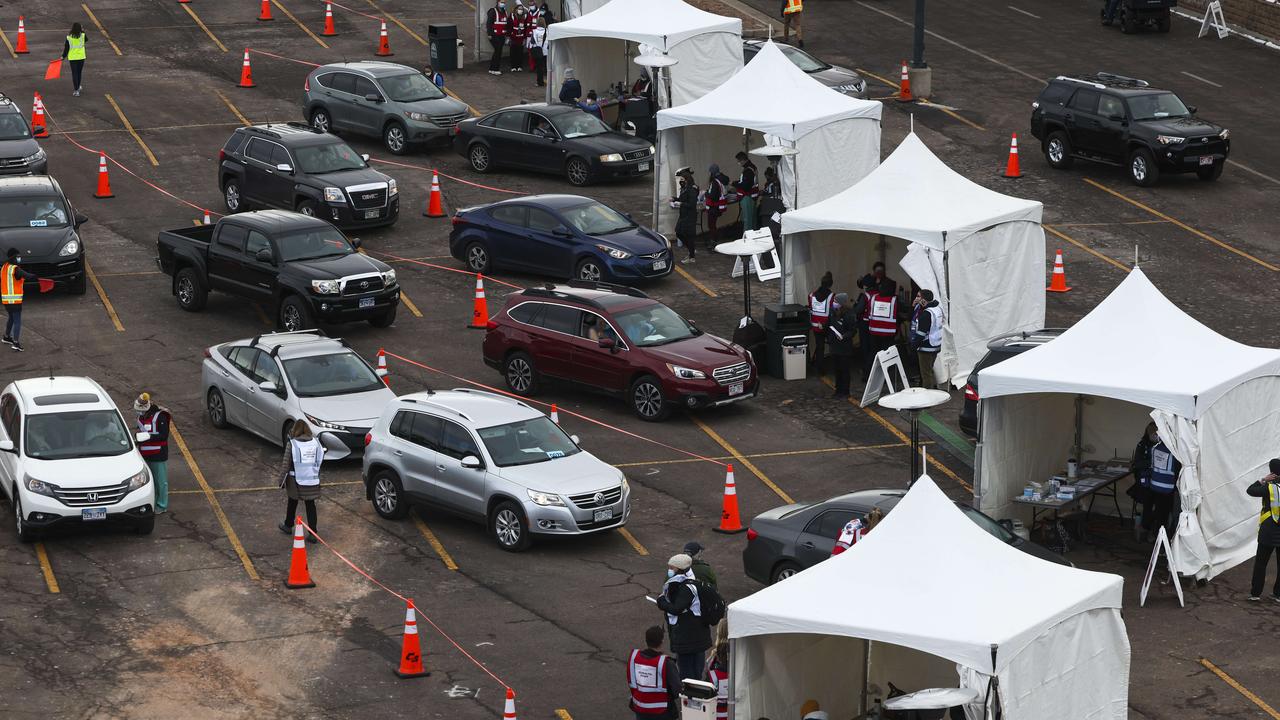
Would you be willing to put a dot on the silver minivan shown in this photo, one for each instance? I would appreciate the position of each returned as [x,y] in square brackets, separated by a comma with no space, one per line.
[493,459]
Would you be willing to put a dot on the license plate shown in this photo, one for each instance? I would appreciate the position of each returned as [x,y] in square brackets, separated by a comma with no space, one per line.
[643,167]
[1206,159]
[735,389]
[93,514]
[366,303]
[602,515]
[660,265]
[371,214]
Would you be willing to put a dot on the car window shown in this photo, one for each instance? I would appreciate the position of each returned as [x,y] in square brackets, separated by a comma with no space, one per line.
[579,124]
[991,526]
[1109,105]
[1055,93]
[232,236]
[364,86]
[1157,106]
[456,442]
[313,243]
[9,417]
[526,442]
[803,60]
[342,373]
[593,218]
[401,425]
[243,359]
[259,150]
[513,121]
[654,325]
[540,126]
[78,434]
[426,431]
[561,318]
[410,87]
[1085,101]
[233,143]
[14,127]
[594,328]
[327,158]
[280,156]
[529,313]
[326,80]
[33,212]
[830,523]
[510,214]
[257,241]
[342,82]
[542,220]
[265,370]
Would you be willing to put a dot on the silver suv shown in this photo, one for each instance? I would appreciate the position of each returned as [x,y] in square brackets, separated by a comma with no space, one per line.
[380,99]
[492,459]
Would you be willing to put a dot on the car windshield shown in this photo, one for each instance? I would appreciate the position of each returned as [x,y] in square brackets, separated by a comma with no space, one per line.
[324,375]
[21,212]
[578,124]
[327,158]
[410,87]
[311,244]
[1157,106]
[595,219]
[991,526]
[526,442]
[81,434]
[13,127]
[655,325]
[804,60]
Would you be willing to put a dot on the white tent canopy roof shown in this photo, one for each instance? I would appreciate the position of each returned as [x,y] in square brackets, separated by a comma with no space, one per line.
[795,105]
[930,579]
[660,23]
[913,195]
[1139,347]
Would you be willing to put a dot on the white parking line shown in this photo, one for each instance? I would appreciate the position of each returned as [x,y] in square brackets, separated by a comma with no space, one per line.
[1203,80]
[1248,169]
[1024,12]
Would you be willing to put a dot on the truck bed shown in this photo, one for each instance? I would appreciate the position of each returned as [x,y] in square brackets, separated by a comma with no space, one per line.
[190,242]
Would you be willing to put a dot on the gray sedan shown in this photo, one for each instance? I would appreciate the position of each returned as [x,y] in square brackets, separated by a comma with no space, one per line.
[842,80]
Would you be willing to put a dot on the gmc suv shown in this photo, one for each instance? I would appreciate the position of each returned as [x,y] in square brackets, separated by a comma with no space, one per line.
[1120,120]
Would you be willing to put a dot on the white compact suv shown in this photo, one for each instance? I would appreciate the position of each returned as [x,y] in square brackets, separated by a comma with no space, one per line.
[493,459]
[67,456]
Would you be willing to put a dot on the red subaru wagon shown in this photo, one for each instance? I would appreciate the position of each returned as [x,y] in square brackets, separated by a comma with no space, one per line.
[618,340]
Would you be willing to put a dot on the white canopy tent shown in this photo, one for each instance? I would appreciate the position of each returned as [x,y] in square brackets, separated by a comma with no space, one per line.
[980,252]
[1134,358]
[707,46]
[561,9]
[926,596]
[838,137]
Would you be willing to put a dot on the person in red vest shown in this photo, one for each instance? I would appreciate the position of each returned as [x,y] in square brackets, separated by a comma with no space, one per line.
[882,320]
[518,29]
[717,202]
[154,421]
[821,308]
[495,25]
[718,675]
[653,679]
[854,530]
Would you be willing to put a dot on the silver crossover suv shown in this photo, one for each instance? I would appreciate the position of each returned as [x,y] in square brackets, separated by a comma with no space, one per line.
[268,383]
[493,459]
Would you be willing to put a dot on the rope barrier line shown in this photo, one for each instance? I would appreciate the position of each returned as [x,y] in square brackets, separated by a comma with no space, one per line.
[353,10]
[281,57]
[443,267]
[451,177]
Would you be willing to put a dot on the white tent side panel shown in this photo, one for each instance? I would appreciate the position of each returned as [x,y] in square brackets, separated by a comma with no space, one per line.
[705,62]
[1024,437]
[848,255]
[832,159]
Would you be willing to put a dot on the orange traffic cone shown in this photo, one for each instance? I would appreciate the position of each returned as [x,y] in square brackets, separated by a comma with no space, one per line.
[21,47]
[904,90]
[246,72]
[555,414]
[183,2]
[265,13]
[435,202]
[509,712]
[38,128]
[104,180]
[384,47]
[329,30]
[480,309]
[1013,170]
[1058,281]
[730,521]
[299,576]
[382,367]
[207,219]
[411,649]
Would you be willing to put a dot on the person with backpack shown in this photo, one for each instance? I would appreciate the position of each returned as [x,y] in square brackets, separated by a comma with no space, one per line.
[692,609]
[702,571]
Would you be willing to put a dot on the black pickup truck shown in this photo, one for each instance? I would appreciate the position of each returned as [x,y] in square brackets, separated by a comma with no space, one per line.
[301,267]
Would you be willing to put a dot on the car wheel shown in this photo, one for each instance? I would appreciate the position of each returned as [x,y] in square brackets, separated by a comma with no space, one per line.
[388,496]
[589,270]
[80,285]
[294,315]
[647,401]
[1128,24]
[1057,150]
[385,319]
[481,162]
[783,571]
[321,121]
[216,406]
[395,139]
[478,258]
[144,527]
[25,533]
[577,172]
[285,431]
[1211,172]
[509,528]
[1142,168]
[307,207]
[190,293]
[521,376]
[231,196]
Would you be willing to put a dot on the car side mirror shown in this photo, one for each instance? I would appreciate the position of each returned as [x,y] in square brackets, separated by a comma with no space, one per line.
[265,255]
[355,243]
[562,232]
[629,128]
[472,462]
[285,168]
[268,387]
[142,436]
[7,446]
[574,438]
[80,219]
[365,157]
[373,97]
[1191,109]
[608,343]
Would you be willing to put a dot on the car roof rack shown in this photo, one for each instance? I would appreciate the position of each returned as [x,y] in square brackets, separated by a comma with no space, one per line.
[1104,80]
[490,393]
[438,406]
[279,130]
[1000,341]
[257,339]
[607,287]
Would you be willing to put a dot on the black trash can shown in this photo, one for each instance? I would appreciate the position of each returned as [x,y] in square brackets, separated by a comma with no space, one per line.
[779,322]
[443,40]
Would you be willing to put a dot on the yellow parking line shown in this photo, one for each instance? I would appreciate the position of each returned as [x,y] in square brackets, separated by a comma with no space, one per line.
[884,80]
[694,281]
[1184,226]
[562,714]
[434,542]
[783,453]
[262,488]
[125,274]
[262,314]
[213,502]
[8,45]
[396,20]
[101,29]
[204,27]
[1085,248]
[1262,704]
[149,129]
[953,114]
[631,539]
[234,111]
[43,556]
[102,294]
[741,459]
[129,127]
[305,29]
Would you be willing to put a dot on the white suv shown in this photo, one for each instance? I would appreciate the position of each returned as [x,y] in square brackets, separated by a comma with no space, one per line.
[493,459]
[67,456]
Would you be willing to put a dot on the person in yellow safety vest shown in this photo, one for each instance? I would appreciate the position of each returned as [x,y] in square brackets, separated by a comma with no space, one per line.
[792,14]
[11,279]
[1268,488]
[73,52]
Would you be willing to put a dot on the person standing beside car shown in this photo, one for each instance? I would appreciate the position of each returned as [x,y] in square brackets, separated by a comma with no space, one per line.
[792,15]
[518,29]
[300,476]
[495,26]
[1268,488]
[690,636]
[538,46]
[73,52]
[11,290]
[154,421]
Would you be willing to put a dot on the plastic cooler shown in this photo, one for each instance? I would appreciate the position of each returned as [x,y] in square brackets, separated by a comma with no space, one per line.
[697,700]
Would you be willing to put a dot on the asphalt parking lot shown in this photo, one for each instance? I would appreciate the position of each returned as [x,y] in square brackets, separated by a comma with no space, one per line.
[194,620]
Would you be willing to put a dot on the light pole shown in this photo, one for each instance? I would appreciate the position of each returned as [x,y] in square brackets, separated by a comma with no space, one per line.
[920,73]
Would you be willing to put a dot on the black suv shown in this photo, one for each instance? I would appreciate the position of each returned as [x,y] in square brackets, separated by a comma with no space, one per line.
[293,167]
[999,349]
[20,154]
[1120,120]
[39,221]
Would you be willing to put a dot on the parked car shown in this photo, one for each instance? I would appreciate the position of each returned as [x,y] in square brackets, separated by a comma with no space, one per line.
[619,341]
[67,457]
[552,138]
[292,167]
[380,99]
[1124,121]
[786,540]
[999,349]
[20,153]
[842,80]
[39,221]
[493,459]
[1134,14]
[267,383]
[564,236]
[304,269]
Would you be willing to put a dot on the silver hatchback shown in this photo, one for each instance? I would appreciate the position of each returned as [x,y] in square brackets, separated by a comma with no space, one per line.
[493,459]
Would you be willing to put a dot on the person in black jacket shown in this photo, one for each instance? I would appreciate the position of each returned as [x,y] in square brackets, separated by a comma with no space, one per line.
[1140,469]
[690,637]
[840,332]
[687,202]
[1268,488]
[571,88]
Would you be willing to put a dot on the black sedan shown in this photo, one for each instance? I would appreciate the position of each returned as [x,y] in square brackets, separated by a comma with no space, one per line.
[552,138]
[785,540]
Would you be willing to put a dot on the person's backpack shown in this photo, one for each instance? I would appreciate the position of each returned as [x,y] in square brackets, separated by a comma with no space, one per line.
[711,602]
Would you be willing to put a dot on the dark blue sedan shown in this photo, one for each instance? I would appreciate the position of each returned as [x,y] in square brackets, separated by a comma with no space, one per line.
[563,236]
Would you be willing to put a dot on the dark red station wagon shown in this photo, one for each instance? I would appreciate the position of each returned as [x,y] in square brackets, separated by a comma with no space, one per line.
[618,340]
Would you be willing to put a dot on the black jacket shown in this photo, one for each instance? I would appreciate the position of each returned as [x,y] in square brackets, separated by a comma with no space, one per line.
[688,199]
[841,331]
[1268,530]
[571,90]
[161,434]
[490,18]
[747,179]
[1141,463]
[688,633]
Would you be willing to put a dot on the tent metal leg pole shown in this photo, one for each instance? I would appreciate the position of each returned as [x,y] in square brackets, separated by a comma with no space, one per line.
[733,673]
[1076,449]
[657,187]
[864,703]
[915,447]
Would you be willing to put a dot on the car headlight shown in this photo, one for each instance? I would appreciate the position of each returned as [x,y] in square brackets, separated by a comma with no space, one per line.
[611,157]
[326,287]
[389,278]
[392,188]
[71,248]
[36,157]
[332,194]
[326,425]
[685,373]
[1170,139]
[140,480]
[1224,134]
[652,150]
[40,487]
[614,252]
[626,486]
[417,116]
[545,498]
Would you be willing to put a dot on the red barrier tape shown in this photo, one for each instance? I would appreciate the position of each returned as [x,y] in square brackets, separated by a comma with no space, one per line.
[455,179]
[281,57]
[442,267]
[357,12]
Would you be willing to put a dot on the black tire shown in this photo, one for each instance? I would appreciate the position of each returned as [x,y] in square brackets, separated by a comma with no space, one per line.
[1142,168]
[80,285]
[1058,145]
[307,207]
[590,270]
[1210,173]
[480,157]
[233,196]
[647,401]
[320,120]
[216,407]
[577,171]
[478,258]
[385,319]
[1164,22]
[395,138]
[295,315]
[520,374]
[189,291]
[24,531]
[783,570]
[509,527]
[144,527]
[1128,23]
[389,500]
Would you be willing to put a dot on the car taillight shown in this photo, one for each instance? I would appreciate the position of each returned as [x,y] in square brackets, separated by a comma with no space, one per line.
[458,219]
[222,155]
[206,353]
[306,84]
[490,325]
[970,393]
[368,438]
[752,534]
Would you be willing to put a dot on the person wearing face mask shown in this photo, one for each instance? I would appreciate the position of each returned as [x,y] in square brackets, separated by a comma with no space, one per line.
[681,601]
[11,289]
[154,421]
[495,25]
[717,201]
[1155,473]
[538,46]
[926,335]
[749,189]
[518,29]
[687,223]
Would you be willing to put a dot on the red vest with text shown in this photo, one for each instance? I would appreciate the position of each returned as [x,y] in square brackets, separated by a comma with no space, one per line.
[152,447]
[646,676]
[499,23]
[720,678]
[820,312]
[882,318]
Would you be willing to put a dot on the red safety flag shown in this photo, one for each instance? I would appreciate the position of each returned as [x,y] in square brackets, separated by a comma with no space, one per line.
[54,71]
[45,285]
